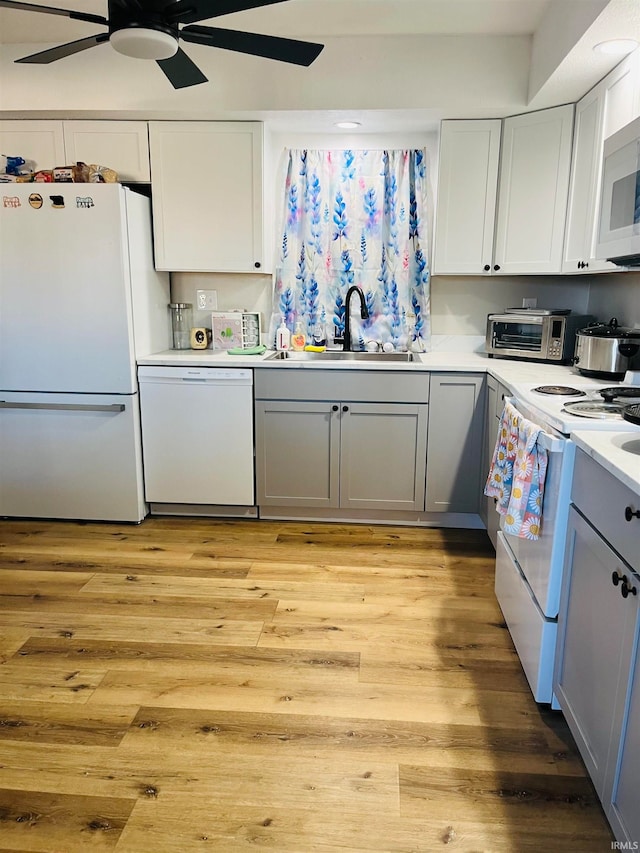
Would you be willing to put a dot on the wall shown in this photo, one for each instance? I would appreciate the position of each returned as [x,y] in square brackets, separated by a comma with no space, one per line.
[616,295]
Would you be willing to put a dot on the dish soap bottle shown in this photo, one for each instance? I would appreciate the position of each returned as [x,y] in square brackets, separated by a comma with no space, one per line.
[283,337]
[299,338]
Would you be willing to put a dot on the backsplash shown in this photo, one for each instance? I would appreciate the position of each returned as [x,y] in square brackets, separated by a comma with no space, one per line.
[250,292]
[616,295]
[459,304]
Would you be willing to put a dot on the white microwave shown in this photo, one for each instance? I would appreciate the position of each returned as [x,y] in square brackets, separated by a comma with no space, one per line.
[619,221]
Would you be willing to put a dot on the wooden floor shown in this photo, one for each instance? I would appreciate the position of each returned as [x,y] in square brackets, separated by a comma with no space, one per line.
[195,685]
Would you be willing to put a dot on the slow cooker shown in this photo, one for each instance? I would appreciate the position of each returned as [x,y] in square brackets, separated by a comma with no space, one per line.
[607,350]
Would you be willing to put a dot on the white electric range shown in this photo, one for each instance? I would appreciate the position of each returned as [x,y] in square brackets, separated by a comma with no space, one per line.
[548,409]
[529,572]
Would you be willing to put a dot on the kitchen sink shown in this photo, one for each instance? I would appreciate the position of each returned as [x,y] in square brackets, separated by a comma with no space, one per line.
[339,355]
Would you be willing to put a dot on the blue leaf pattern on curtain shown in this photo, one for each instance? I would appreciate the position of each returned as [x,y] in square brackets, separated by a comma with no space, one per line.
[355,217]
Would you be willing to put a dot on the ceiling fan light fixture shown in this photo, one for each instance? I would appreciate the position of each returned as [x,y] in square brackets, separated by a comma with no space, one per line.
[144,43]
[616,47]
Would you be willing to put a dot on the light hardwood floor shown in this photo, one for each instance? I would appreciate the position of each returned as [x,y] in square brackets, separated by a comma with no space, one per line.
[199,685]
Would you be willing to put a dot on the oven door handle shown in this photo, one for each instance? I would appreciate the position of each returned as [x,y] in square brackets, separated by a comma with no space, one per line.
[549,442]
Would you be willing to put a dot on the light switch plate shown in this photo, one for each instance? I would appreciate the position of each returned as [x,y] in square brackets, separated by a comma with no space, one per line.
[206,300]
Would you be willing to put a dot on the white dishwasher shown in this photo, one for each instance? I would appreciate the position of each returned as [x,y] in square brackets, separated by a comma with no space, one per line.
[197,435]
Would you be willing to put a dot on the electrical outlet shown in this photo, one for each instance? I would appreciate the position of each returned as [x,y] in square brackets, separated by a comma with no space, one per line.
[529,302]
[207,300]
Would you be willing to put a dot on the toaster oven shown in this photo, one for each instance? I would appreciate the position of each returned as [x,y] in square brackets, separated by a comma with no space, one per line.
[540,335]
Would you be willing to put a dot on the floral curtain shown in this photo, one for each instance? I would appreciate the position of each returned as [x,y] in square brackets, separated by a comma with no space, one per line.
[355,217]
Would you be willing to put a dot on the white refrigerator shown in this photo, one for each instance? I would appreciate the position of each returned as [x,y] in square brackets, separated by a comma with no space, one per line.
[79,301]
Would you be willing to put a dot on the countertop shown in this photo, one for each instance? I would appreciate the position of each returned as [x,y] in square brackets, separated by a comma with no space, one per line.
[618,452]
[505,370]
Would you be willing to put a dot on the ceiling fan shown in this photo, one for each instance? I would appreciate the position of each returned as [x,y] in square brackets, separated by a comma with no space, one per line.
[150,29]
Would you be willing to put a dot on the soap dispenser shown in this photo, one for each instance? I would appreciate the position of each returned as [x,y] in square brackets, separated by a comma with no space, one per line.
[299,338]
[283,337]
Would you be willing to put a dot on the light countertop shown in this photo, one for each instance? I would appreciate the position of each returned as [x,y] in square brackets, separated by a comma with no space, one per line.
[505,370]
[618,452]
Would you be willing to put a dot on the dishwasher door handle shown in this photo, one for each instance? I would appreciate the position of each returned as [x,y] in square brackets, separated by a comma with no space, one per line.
[65,407]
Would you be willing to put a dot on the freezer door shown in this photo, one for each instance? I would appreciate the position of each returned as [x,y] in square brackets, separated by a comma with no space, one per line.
[65,294]
[71,456]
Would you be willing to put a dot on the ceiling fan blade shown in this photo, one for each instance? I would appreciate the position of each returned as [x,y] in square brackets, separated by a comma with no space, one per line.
[270,47]
[181,71]
[46,56]
[53,10]
[190,11]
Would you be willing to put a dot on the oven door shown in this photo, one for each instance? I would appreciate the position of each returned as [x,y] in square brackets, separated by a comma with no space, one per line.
[619,222]
[541,560]
[509,334]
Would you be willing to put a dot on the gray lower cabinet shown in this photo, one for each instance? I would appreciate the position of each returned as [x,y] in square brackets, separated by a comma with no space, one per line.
[382,456]
[297,453]
[343,452]
[597,670]
[455,443]
[624,810]
[596,635]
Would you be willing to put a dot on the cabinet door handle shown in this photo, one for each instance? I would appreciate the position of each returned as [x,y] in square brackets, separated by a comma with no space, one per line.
[497,267]
[629,513]
[487,267]
[616,577]
[627,588]
[334,408]
[345,408]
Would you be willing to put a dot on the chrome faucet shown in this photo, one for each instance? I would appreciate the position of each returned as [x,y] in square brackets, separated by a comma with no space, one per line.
[346,346]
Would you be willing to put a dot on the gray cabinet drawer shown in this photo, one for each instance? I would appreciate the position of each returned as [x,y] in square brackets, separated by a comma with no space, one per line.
[354,385]
[603,499]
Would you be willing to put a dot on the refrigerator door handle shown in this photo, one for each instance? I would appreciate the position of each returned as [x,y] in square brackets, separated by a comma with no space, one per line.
[66,407]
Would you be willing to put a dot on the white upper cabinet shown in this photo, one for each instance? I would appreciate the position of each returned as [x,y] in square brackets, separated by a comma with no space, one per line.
[620,93]
[533,190]
[119,145]
[531,186]
[467,192]
[39,141]
[207,195]
[584,191]
[610,105]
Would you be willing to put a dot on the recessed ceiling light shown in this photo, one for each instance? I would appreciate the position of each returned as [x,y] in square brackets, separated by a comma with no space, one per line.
[348,125]
[616,47]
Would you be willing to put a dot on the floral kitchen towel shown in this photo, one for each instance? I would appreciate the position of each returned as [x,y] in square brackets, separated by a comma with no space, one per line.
[517,474]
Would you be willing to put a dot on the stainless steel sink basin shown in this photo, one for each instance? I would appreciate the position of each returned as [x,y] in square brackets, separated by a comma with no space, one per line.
[339,355]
